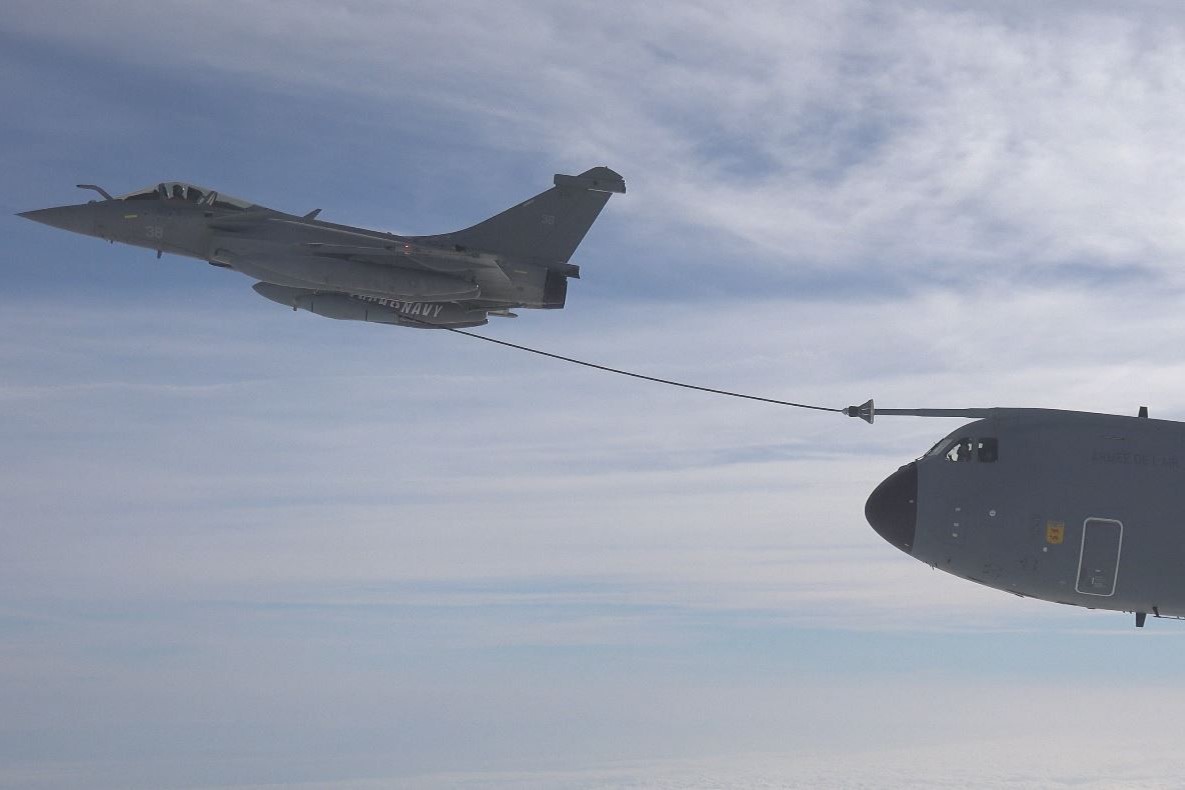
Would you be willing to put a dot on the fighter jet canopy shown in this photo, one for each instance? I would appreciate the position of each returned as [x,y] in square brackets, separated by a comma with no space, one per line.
[179,190]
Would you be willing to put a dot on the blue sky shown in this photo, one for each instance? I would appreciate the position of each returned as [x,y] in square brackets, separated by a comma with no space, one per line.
[243,547]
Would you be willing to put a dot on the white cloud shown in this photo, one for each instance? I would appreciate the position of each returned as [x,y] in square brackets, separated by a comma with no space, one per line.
[940,141]
[1000,763]
[250,478]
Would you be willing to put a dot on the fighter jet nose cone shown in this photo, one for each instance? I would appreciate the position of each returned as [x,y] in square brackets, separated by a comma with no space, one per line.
[36,216]
[79,219]
[892,509]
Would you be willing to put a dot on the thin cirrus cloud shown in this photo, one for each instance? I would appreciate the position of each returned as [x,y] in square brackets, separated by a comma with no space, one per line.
[917,138]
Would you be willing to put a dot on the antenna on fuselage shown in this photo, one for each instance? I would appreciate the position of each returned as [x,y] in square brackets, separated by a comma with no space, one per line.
[868,412]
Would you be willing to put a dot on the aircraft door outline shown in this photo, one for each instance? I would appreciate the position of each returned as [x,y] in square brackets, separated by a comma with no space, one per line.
[1098,557]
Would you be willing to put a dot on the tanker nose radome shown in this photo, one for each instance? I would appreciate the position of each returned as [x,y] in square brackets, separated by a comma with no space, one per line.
[79,219]
[892,510]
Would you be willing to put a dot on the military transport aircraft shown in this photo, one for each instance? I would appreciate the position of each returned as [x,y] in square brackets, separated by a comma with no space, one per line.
[1073,507]
[519,258]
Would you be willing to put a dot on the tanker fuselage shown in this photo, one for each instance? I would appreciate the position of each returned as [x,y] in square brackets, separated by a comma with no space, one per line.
[1078,508]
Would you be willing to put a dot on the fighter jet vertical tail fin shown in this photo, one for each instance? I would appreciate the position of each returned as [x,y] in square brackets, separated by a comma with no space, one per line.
[548,227]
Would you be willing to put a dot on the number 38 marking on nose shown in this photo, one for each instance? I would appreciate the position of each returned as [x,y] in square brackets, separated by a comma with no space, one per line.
[154,231]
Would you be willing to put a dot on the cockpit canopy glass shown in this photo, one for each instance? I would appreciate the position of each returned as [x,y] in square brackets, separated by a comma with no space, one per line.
[960,450]
[988,450]
[178,190]
[985,450]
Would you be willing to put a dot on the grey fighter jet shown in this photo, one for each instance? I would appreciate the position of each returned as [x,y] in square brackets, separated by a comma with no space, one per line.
[1073,507]
[519,258]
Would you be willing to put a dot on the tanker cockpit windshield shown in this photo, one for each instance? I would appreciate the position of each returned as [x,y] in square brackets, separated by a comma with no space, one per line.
[985,449]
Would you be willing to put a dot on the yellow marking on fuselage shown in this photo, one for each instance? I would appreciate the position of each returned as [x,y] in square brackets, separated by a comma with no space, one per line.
[1055,532]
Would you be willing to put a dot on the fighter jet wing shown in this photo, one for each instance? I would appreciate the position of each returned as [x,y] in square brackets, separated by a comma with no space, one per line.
[407,255]
[387,248]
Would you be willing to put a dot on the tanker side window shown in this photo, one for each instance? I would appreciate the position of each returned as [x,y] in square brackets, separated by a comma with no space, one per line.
[960,450]
[988,450]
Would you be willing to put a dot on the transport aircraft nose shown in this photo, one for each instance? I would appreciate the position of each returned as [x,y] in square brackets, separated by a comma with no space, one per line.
[79,219]
[892,509]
